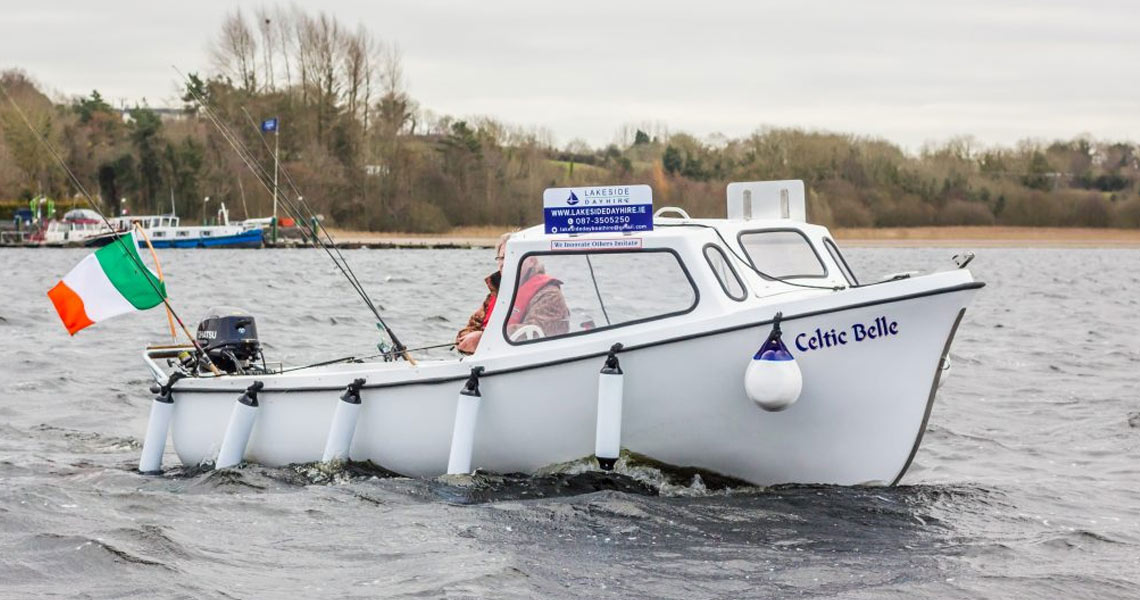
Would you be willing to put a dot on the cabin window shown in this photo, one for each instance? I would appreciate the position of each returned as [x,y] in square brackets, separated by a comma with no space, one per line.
[183,234]
[725,274]
[165,222]
[158,234]
[576,293]
[836,256]
[782,253]
[206,234]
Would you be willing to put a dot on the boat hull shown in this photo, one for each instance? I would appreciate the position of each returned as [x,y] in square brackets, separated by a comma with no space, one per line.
[251,238]
[859,419]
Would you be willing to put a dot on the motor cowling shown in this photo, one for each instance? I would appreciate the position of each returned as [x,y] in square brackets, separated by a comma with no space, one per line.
[228,336]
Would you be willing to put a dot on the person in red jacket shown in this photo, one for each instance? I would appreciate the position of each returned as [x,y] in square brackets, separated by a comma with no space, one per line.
[468,338]
[539,303]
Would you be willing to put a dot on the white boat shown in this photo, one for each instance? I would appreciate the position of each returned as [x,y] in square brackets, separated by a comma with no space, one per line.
[690,302]
[76,227]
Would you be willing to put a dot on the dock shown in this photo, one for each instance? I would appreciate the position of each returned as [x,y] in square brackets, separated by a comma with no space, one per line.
[440,243]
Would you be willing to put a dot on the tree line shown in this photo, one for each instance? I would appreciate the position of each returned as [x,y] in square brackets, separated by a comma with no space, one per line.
[366,155]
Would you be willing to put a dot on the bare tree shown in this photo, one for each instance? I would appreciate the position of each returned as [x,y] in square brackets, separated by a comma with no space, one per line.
[305,37]
[395,110]
[319,48]
[235,52]
[357,55]
[265,27]
[286,37]
[325,47]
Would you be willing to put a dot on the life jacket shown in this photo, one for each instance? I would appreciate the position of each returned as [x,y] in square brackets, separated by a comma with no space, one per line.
[492,284]
[526,293]
[490,307]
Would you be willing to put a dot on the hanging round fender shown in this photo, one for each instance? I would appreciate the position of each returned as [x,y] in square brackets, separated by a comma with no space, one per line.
[773,379]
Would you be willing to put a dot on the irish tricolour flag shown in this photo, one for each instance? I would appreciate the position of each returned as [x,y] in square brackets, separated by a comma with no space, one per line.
[111,282]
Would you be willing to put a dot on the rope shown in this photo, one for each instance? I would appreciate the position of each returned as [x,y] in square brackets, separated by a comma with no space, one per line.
[158,267]
[597,290]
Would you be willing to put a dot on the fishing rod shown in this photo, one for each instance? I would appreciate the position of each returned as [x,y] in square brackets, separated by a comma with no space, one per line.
[95,206]
[316,228]
[354,358]
[262,176]
[342,264]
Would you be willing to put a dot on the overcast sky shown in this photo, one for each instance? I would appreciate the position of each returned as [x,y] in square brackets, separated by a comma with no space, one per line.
[909,71]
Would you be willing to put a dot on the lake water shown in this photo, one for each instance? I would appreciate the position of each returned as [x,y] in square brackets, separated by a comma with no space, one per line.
[1027,484]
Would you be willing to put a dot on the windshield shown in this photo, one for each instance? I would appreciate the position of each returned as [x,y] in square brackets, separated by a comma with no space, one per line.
[560,294]
[782,253]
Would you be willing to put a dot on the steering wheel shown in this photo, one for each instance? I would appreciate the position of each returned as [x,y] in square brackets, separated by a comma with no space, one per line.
[527,332]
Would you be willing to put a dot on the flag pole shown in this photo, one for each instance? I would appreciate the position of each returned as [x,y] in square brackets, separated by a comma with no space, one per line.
[276,146]
[97,208]
[170,311]
[158,267]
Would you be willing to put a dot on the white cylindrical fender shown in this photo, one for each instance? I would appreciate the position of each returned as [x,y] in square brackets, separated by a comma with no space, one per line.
[343,426]
[607,434]
[773,379]
[239,428]
[154,444]
[463,432]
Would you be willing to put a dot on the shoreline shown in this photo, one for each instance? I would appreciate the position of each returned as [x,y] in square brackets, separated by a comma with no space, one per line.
[961,237]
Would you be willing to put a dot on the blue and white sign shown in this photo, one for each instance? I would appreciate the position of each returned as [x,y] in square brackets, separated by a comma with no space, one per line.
[269,125]
[597,209]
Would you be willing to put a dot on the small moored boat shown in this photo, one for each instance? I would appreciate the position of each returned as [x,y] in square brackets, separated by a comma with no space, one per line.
[744,345]
[78,226]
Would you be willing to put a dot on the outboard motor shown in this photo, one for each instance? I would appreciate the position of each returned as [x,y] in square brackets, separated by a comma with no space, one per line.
[229,338]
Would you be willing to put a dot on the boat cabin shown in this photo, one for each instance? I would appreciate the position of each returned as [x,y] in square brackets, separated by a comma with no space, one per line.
[597,282]
[146,222]
[77,225]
